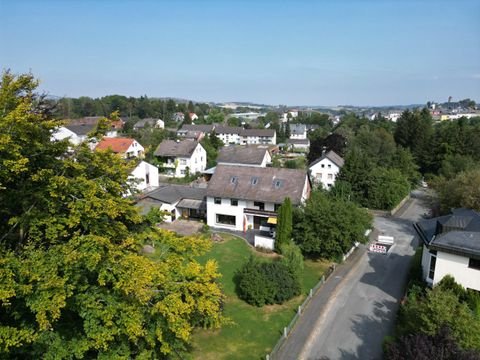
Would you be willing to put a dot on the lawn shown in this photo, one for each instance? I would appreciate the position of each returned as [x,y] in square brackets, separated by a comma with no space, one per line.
[255,330]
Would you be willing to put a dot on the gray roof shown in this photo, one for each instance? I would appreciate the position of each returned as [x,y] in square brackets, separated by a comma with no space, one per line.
[82,129]
[296,129]
[243,132]
[258,132]
[176,148]
[170,194]
[257,183]
[457,233]
[220,129]
[242,154]
[141,123]
[332,156]
[200,128]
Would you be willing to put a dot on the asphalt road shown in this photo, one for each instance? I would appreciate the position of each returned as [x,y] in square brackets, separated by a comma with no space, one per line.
[361,309]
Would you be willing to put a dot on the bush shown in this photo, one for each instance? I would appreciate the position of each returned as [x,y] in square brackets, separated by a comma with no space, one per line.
[265,283]
[292,258]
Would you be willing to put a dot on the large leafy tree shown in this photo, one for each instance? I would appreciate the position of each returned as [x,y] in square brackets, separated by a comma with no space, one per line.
[73,282]
[461,191]
[327,227]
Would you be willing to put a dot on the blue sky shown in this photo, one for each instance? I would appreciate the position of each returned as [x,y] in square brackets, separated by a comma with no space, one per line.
[276,52]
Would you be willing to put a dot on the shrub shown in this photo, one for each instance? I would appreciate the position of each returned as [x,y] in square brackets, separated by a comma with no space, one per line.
[264,283]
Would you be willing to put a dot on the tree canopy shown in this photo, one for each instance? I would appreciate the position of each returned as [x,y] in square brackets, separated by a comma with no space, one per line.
[73,280]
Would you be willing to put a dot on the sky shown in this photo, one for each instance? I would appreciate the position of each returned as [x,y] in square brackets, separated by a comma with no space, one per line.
[343,52]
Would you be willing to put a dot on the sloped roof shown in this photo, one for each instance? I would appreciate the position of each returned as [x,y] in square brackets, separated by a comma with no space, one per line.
[242,154]
[257,183]
[117,145]
[457,233]
[141,123]
[298,141]
[170,194]
[201,128]
[176,148]
[258,132]
[332,156]
[296,129]
[81,129]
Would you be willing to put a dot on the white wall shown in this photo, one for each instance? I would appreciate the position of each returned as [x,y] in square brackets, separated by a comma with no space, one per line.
[195,163]
[456,266]
[321,174]
[140,173]
[226,208]
[63,133]
[135,150]
[264,242]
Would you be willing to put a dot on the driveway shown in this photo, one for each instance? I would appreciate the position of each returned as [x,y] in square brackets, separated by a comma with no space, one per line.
[361,309]
[182,227]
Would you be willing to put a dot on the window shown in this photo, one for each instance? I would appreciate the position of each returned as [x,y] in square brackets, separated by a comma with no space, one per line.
[183,162]
[226,219]
[330,176]
[474,264]
[278,183]
[323,165]
[276,207]
[217,200]
[260,205]
[433,261]
[182,172]
[254,180]
[233,180]
[234,202]
[319,175]
[329,166]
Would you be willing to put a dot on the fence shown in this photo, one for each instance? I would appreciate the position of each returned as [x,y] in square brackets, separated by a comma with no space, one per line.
[287,330]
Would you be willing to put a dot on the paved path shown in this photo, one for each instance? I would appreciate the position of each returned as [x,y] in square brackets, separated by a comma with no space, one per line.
[356,308]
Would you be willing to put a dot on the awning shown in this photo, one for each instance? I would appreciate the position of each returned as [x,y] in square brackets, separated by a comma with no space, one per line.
[272,220]
[192,204]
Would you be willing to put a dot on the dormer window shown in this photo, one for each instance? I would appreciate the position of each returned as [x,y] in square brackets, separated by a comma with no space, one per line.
[233,180]
[278,183]
[254,180]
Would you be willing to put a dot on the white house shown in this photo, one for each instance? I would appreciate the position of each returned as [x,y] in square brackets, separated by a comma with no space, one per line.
[299,144]
[451,246]
[239,136]
[181,158]
[291,114]
[152,123]
[145,175]
[248,155]
[325,169]
[242,198]
[176,200]
[193,116]
[126,147]
[298,131]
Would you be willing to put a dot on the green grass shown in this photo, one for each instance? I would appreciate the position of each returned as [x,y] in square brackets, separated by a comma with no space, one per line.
[255,330]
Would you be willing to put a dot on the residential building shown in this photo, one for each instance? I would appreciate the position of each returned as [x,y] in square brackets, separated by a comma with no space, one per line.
[77,130]
[325,169]
[145,176]
[298,144]
[241,197]
[178,117]
[451,246]
[193,116]
[176,200]
[180,158]
[195,132]
[152,123]
[126,147]
[248,155]
[291,114]
[298,131]
[239,136]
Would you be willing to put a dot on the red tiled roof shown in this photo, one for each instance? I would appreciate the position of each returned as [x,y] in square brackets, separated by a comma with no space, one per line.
[117,145]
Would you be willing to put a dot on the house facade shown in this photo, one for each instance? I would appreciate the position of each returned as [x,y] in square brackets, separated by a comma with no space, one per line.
[325,169]
[145,176]
[298,131]
[451,246]
[239,136]
[180,158]
[247,198]
[149,122]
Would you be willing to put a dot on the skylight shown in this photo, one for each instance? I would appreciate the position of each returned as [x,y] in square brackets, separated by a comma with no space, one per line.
[254,180]
[278,183]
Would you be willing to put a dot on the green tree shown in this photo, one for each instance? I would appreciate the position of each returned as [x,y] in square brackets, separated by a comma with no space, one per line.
[73,283]
[327,227]
[284,225]
[461,191]
[387,188]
